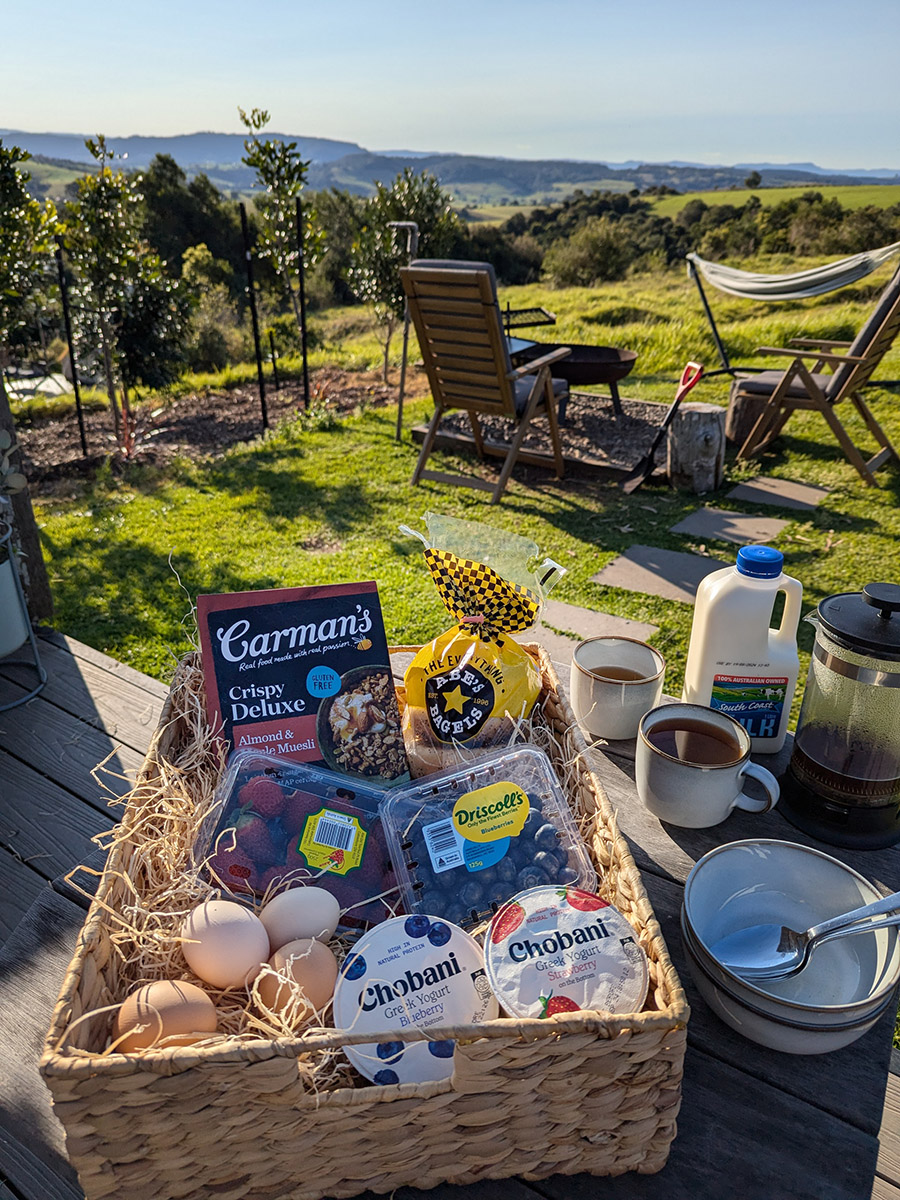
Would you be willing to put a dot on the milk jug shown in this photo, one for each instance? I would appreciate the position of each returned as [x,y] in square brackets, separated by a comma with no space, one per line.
[735,662]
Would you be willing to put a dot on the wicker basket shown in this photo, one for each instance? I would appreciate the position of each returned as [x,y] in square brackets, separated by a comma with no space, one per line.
[580,1092]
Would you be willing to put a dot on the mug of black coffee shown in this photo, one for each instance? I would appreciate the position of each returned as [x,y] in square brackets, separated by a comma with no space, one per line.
[690,764]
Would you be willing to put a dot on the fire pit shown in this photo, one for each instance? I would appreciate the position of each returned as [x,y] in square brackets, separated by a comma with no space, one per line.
[585,365]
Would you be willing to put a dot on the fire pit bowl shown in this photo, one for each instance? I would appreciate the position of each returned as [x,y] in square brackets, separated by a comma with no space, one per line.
[586,365]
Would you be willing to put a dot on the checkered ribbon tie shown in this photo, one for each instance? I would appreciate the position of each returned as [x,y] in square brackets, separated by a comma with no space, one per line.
[470,589]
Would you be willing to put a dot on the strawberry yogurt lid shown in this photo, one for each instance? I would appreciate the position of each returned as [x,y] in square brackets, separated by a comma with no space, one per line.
[410,972]
[554,950]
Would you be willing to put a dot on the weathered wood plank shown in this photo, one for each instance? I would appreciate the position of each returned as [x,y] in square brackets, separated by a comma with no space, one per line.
[60,746]
[33,964]
[99,659]
[19,887]
[33,1179]
[884,1190]
[96,696]
[740,1137]
[889,1134]
[42,823]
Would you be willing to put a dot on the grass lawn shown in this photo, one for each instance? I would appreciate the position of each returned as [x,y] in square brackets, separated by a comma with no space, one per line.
[128,555]
[881,195]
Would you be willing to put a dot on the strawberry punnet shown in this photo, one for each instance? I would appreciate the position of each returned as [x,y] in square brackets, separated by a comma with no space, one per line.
[506,922]
[234,868]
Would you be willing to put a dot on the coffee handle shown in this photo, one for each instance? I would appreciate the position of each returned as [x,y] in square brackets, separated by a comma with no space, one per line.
[769,782]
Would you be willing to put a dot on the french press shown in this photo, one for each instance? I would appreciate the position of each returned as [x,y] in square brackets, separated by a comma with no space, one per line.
[843,780]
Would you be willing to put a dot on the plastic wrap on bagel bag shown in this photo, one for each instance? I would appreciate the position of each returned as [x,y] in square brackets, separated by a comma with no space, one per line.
[469,689]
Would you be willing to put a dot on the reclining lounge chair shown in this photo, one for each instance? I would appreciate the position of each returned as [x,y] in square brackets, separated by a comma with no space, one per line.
[811,387]
[454,308]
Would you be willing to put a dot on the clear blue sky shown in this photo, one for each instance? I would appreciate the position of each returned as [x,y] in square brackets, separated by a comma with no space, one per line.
[717,81]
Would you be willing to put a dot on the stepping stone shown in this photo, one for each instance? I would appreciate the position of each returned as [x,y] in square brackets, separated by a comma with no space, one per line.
[783,493]
[666,573]
[581,623]
[724,526]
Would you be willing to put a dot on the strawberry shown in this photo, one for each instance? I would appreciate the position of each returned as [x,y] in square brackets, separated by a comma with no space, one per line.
[263,795]
[253,837]
[551,1005]
[583,901]
[506,922]
[297,807]
[280,879]
[233,868]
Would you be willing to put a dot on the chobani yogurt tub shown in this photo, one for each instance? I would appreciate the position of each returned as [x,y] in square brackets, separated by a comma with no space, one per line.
[555,950]
[410,972]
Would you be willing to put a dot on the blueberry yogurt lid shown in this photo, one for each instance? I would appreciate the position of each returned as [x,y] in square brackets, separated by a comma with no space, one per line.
[559,950]
[410,973]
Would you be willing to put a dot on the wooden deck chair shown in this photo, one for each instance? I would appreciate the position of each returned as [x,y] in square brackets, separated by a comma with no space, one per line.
[453,305]
[813,387]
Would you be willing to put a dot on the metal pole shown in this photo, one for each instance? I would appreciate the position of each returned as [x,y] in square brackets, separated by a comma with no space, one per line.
[412,249]
[727,368]
[67,318]
[302,275]
[274,361]
[251,292]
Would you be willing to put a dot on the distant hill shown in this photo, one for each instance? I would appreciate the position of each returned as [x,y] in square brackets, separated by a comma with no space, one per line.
[197,150]
[471,179]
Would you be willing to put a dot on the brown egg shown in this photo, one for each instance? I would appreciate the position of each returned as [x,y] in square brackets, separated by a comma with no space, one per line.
[173,1009]
[314,970]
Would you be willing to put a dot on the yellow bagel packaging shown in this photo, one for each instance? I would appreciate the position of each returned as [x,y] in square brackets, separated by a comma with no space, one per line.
[469,688]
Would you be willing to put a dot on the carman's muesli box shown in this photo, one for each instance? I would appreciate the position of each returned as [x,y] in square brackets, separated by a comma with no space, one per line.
[305,673]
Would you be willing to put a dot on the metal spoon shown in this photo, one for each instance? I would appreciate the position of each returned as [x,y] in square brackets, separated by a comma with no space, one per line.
[776,951]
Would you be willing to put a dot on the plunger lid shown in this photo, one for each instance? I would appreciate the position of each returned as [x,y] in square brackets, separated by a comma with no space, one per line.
[865,621]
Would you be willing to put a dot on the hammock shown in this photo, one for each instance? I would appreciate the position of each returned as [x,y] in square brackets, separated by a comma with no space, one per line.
[751,285]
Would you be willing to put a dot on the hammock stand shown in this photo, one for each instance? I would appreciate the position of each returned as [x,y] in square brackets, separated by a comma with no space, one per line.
[751,285]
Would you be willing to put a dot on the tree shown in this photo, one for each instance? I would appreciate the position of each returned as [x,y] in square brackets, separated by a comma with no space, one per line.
[26,228]
[753,180]
[126,304]
[281,172]
[378,255]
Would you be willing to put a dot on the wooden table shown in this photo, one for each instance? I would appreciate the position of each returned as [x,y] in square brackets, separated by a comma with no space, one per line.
[754,1124]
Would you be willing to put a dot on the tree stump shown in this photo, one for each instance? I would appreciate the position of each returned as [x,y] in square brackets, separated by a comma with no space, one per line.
[744,409]
[696,448]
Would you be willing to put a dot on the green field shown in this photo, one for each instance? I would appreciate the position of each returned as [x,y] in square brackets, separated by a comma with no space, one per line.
[877,194]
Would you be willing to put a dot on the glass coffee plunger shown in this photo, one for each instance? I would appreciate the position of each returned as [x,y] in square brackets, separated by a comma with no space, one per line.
[843,780]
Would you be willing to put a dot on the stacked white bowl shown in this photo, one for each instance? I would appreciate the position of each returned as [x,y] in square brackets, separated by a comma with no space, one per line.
[847,983]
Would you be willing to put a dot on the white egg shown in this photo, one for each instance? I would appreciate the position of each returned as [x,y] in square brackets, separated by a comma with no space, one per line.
[224,943]
[303,912]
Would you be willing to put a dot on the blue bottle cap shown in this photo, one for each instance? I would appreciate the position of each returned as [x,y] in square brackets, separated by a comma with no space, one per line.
[761,562]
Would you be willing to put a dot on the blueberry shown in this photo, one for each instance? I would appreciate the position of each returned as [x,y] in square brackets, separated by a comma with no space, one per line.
[442,1049]
[455,913]
[389,1051]
[533,823]
[548,863]
[531,877]
[354,967]
[417,926]
[471,894]
[505,870]
[546,837]
[386,1076]
[439,934]
[567,876]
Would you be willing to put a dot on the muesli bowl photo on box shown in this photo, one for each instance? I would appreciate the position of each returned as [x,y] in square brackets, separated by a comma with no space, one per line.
[358,729]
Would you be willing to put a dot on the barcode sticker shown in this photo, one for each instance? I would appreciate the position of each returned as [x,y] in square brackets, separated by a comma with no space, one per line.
[335,831]
[444,845]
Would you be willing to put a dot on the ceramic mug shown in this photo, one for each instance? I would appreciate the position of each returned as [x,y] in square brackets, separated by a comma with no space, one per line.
[690,765]
[613,682]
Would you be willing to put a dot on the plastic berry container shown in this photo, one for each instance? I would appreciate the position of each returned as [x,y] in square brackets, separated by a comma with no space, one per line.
[276,824]
[463,841]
